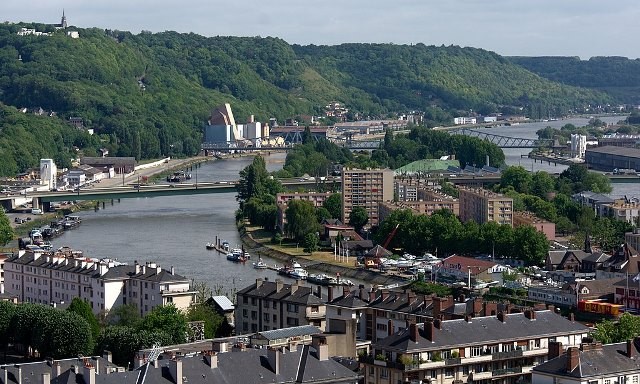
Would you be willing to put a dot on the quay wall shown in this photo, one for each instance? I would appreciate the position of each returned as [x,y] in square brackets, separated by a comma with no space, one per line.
[367,276]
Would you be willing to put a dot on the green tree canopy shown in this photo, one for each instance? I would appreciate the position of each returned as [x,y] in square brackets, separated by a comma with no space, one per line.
[83,309]
[358,218]
[301,219]
[167,319]
[334,205]
[6,231]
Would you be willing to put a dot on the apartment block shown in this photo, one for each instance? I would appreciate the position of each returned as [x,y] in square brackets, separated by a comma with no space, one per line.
[591,362]
[541,225]
[366,188]
[419,207]
[501,349]
[482,206]
[268,305]
[622,210]
[406,191]
[282,199]
[49,279]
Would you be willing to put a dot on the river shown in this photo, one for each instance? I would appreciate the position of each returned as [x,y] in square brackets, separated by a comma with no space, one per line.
[173,231]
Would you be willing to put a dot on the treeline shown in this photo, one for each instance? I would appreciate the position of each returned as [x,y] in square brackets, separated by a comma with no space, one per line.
[551,199]
[442,233]
[423,143]
[77,331]
[618,76]
[149,95]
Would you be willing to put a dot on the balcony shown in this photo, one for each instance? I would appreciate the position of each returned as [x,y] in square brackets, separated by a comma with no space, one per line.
[453,361]
[506,371]
[475,376]
[506,355]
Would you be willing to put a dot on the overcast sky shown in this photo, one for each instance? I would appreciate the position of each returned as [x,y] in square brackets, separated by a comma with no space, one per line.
[582,28]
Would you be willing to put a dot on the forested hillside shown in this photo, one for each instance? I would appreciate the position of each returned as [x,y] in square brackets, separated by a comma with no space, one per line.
[618,76]
[149,95]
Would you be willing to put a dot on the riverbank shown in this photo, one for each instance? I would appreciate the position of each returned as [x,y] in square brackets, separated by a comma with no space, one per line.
[253,239]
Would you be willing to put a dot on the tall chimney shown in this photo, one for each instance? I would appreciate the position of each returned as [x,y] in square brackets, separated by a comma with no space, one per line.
[279,285]
[175,369]
[19,374]
[430,330]
[631,349]
[212,359]
[5,375]
[319,291]
[107,355]
[173,270]
[372,296]
[530,314]
[329,294]
[413,332]
[273,356]
[555,349]
[573,358]
[89,373]
[502,317]
[259,282]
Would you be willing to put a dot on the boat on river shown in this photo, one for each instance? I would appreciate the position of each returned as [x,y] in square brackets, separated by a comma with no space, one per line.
[236,255]
[294,270]
[260,264]
[210,246]
[326,280]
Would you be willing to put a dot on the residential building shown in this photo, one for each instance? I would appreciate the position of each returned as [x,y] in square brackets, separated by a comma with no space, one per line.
[482,206]
[494,349]
[419,207]
[223,306]
[366,188]
[622,210]
[405,191]
[283,337]
[268,305]
[282,199]
[57,278]
[464,120]
[594,200]
[578,145]
[627,292]
[548,228]
[75,370]
[591,363]
[609,158]
[470,270]
[633,238]
[569,294]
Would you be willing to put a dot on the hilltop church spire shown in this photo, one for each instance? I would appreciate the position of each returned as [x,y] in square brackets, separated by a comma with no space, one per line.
[63,22]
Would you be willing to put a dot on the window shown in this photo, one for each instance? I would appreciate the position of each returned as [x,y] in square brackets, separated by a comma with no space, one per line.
[371,371]
[275,318]
[245,313]
[245,300]
[381,327]
[339,311]
[292,308]
[476,351]
[265,303]
[635,379]
[254,315]
[253,301]
[275,304]
[448,372]
[266,317]
[384,373]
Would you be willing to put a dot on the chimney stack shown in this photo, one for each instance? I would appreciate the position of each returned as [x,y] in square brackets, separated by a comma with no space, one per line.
[5,375]
[137,267]
[89,373]
[631,349]
[175,369]
[219,346]
[430,330]
[573,358]
[572,317]
[362,293]
[329,293]
[107,355]
[555,349]
[413,332]
[372,296]
[259,282]
[173,270]
[273,356]
[211,358]
[279,285]
[45,378]
[502,317]
[294,286]
[321,346]
[437,323]
[19,374]
[319,291]
[530,314]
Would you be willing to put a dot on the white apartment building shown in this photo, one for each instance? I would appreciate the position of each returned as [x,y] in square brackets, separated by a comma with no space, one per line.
[464,120]
[36,277]
[48,173]
[578,146]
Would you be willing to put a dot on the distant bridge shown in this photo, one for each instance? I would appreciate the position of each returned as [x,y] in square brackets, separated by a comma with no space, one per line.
[296,137]
[503,141]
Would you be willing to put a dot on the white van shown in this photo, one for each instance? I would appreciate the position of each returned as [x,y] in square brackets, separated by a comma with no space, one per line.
[36,211]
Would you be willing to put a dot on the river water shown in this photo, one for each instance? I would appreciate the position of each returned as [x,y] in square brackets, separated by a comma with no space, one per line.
[173,231]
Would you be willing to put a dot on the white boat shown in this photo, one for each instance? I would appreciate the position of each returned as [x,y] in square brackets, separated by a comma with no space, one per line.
[297,272]
[260,264]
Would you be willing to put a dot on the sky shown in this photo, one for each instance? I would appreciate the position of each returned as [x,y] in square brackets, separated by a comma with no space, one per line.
[582,28]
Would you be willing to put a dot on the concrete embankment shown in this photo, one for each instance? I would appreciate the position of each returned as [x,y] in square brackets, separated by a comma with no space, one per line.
[368,276]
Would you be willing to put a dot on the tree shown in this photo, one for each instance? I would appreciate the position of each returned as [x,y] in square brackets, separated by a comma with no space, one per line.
[301,219]
[516,177]
[7,311]
[124,315]
[168,319]
[123,342]
[530,245]
[205,312]
[333,204]
[358,218]
[310,242]
[542,184]
[6,231]
[322,213]
[83,309]
[626,328]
